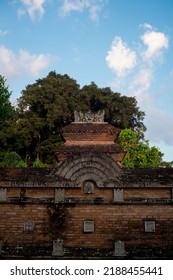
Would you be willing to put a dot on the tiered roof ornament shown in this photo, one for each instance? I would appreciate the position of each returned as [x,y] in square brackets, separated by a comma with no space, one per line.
[90,133]
[89,117]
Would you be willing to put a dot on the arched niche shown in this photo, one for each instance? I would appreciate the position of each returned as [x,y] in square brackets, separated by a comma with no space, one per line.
[98,168]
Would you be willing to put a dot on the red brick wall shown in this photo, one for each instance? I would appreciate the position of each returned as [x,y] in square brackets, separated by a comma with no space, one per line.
[112,222]
[12,225]
[148,193]
[120,222]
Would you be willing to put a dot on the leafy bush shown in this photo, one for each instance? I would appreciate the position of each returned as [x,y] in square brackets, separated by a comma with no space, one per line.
[11,159]
[37,163]
[21,164]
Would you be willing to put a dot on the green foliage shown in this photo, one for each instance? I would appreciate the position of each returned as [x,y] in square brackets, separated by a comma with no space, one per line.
[166,164]
[5,105]
[138,151]
[120,111]
[37,163]
[46,106]
[11,159]
[21,164]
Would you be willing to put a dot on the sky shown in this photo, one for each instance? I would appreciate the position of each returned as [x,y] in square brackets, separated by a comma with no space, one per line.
[126,45]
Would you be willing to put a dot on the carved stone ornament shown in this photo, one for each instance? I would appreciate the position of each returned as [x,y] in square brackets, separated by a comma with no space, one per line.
[150,226]
[88,187]
[119,250]
[59,195]
[89,117]
[88,226]
[58,247]
[29,226]
[118,195]
[3,194]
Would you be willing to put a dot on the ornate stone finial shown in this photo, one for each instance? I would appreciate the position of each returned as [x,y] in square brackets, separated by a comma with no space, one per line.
[58,249]
[89,117]
[119,250]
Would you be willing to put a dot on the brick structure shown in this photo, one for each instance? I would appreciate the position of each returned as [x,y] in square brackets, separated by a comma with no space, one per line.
[88,200]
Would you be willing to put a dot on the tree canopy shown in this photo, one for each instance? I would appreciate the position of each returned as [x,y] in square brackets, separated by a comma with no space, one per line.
[49,104]
[5,105]
[138,151]
[53,100]
[44,107]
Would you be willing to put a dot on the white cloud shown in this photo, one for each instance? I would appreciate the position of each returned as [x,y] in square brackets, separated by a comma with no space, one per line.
[93,6]
[120,58]
[34,8]
[141,82]
[155,42]
[146,26]
[144,62]
[13,66]
[70,6]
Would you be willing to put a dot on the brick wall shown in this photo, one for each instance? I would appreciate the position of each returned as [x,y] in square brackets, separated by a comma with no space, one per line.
[123,220]
[12,222]
[111,222]
[120,222]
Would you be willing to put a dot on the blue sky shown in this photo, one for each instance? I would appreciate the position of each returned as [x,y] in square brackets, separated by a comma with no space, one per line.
[124,44]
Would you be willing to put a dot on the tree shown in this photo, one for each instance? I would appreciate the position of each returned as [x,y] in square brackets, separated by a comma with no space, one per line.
[138,151]
[5,105]
[6,111]
[120,111]
[49,104]
[44,108]
[11,159]
[166,164]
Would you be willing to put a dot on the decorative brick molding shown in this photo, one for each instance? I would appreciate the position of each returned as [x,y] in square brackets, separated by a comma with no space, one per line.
[95,167]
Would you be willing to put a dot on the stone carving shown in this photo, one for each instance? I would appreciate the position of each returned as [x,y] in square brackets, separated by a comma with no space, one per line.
[59,195]
[3,194]
[29,226]
[149,226]
[88,187]
[119,250]
[88,226]
[89,117]
[118,195]
[58,247]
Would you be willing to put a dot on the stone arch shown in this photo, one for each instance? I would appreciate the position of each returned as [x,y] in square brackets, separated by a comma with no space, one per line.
[97,167]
